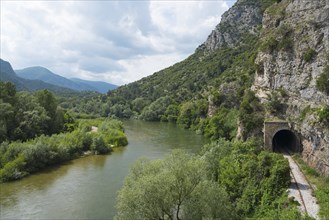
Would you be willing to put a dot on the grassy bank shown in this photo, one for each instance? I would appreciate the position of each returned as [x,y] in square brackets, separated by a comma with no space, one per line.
[19,159]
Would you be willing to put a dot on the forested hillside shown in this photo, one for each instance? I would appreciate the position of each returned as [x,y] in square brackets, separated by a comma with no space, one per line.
[209,91]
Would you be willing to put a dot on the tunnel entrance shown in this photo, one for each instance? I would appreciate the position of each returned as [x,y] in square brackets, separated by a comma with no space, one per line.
[285,140]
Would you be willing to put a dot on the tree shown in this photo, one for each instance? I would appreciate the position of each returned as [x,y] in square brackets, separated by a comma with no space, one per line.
[157,108]
[48,101]
[8,92]
[7,120]
[173,188]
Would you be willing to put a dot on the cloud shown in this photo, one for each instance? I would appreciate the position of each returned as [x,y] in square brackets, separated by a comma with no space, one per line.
[114,41]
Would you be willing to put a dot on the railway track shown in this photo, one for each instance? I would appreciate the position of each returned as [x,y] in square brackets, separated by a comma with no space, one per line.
[300,188]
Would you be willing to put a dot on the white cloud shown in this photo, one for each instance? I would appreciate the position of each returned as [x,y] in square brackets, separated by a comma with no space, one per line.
[114,41]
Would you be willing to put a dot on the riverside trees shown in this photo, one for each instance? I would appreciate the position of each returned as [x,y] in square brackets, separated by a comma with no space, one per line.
[228,180]
[25,115]
[32,136]
[173,188]
[18,159]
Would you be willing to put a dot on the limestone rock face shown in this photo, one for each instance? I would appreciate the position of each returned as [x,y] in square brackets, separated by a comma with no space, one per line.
[243,17]
[295,52]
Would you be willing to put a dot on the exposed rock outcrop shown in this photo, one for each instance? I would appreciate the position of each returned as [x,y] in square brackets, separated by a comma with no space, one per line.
[294,52]
[244,17]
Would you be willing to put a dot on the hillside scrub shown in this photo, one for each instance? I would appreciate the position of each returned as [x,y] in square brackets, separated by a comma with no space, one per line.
[19,159]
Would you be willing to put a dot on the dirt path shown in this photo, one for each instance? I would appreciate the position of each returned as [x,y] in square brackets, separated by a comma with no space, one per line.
[301,190]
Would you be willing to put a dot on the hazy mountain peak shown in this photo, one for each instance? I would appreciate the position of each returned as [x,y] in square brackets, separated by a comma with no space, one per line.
[45,75]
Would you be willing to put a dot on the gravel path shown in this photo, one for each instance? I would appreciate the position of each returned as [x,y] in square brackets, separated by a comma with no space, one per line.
[304,195]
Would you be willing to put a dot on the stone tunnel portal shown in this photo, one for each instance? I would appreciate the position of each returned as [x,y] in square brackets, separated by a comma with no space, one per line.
[285,140]
[279,136]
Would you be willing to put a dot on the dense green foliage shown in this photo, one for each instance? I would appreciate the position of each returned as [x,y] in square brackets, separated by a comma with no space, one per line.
[18,159]
[27,115]
[251,113]
[85,104]
[309,55]
[173,188]
[228,180]
[180,93]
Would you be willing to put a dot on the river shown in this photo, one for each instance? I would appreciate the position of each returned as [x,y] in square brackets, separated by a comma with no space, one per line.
[86,188]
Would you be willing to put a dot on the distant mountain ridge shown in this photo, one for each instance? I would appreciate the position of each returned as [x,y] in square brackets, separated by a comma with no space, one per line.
[100,86]
[7,74]
[45,75]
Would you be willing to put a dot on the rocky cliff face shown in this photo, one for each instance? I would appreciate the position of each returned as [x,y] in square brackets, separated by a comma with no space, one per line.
[294,52]
[244,16]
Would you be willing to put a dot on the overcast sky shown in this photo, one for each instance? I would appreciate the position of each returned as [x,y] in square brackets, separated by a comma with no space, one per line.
[113,41]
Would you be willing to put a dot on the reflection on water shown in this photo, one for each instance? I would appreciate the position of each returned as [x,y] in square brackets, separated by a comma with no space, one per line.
[86,188]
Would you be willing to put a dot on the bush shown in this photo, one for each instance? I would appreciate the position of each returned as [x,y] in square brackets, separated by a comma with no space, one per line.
[98,145]
[274,104]
[222,125]
[322,83]
[251,113]
[13,170]
[309,55]
[269,44]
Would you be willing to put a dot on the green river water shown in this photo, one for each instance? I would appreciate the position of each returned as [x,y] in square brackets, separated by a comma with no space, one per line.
[86,188]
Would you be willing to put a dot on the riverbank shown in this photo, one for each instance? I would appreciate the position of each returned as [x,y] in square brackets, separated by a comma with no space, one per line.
[86,188]
[20,159]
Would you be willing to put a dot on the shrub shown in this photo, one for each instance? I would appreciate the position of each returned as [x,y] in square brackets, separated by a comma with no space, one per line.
[322,83]
[98,145]
[251,113]
[222,125]
[116,138]
[269,44]
[309,55]
[274,104]
[171,113]
[13,170]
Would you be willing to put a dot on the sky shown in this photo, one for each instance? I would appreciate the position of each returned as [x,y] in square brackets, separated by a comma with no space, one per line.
[113,41]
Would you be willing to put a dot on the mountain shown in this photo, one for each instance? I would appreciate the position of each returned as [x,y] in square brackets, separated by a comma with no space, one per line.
[7,74]
[222,67]
[45,75]
[266,61]
[98,86]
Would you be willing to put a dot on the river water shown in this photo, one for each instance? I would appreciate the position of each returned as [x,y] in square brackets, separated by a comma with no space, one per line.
[86,188]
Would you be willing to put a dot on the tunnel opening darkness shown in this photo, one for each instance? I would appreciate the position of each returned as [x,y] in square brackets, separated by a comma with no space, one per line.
[283,141]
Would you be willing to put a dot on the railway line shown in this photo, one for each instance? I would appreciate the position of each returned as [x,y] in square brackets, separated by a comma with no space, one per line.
[301,189]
